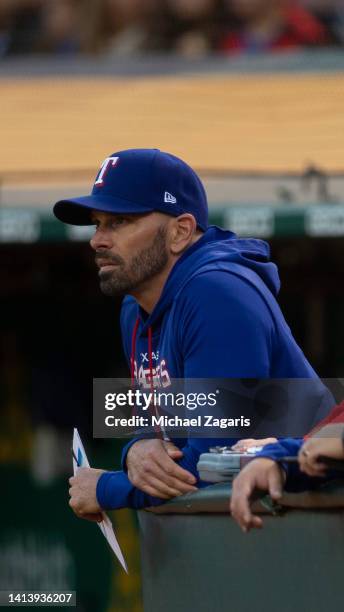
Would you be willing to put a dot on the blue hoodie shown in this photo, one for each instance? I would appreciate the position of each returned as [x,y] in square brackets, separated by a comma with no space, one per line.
[217,317]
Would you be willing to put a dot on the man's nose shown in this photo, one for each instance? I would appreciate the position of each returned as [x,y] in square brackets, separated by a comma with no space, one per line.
[101,240]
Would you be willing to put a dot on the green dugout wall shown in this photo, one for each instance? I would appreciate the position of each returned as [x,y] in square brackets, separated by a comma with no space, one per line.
[30,225]
[194,556]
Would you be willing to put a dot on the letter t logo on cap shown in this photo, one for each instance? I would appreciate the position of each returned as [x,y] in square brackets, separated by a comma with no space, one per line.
[104,168]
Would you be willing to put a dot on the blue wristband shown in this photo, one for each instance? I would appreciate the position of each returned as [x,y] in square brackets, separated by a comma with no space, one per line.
[114,491]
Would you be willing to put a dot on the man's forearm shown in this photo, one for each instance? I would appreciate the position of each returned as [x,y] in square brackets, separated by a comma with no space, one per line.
[114,489]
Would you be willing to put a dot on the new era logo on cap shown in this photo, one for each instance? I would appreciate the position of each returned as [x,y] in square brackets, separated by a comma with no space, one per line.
[170,198]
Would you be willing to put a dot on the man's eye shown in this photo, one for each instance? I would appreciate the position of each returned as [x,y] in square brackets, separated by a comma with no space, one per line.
[118,221]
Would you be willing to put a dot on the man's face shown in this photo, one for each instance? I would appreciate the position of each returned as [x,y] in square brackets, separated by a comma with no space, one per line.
[130,250]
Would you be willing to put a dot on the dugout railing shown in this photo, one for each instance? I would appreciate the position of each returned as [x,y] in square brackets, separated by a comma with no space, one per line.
[195,558]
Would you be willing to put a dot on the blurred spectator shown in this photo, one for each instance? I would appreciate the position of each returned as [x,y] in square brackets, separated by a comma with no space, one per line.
[118,27]
[126,27]
[272,25]
[38,26]
[331,13]
[189,27]
[19,26]
[60,26]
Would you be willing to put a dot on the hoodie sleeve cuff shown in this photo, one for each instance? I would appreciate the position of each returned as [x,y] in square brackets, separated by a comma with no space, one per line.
[113,491]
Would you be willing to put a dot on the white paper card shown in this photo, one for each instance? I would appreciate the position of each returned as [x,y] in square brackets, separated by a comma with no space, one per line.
[80,460]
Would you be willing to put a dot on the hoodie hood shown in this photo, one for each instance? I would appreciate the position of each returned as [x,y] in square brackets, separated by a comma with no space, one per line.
[217,249]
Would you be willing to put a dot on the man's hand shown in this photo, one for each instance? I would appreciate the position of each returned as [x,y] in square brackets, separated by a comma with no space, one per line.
[243,445]
[152,469]
[83,500]
[263,474]
[327,442]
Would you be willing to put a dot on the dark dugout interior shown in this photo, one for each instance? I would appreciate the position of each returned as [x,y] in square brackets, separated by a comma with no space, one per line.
[58,331]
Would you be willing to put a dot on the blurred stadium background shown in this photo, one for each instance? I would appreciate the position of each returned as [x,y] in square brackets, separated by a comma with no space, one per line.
[250,93]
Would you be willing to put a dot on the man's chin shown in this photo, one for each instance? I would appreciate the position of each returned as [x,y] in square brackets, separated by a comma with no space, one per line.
[111,289]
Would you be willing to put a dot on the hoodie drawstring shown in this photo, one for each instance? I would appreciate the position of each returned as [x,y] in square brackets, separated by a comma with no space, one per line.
[158,430]
[150,354]
[133,349]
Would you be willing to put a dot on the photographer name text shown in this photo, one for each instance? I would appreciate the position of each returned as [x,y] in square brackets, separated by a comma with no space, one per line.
[139,422]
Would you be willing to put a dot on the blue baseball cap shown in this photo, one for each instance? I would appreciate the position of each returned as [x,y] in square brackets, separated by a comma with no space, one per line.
[140,181]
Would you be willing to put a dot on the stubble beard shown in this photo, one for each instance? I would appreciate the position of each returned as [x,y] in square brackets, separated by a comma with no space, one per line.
[145,265]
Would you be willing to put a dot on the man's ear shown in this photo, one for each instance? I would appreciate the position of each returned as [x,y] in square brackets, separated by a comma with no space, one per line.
[183,233]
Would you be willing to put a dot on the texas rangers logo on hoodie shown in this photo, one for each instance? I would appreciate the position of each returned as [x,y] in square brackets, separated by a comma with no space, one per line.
[144,374]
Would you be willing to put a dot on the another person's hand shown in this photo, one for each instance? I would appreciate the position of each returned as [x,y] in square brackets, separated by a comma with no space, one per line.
[152,468]
[83,499]
[263,474]
[326,442]
[243,445]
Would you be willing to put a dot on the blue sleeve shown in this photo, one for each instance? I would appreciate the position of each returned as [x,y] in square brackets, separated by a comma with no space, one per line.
[296,480]
[288,447]
[115,491]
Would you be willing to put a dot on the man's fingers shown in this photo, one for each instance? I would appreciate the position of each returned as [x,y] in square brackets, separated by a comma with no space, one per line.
[256,522]
[158,487]
[261,474]
[161,489]
[174,453]
[175,471]
[83,499]
[308,462]
[95,518]
[248,520]
[243,518]
[153,492]
[240,504]
[242,444]
[75,507]
[247,443]
[313,469]
[155,472]
[172,450]
[163,482]
[152,488]
[81,470]
[172,482]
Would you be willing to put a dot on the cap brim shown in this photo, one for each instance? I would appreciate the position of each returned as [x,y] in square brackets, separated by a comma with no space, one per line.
[77,211]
